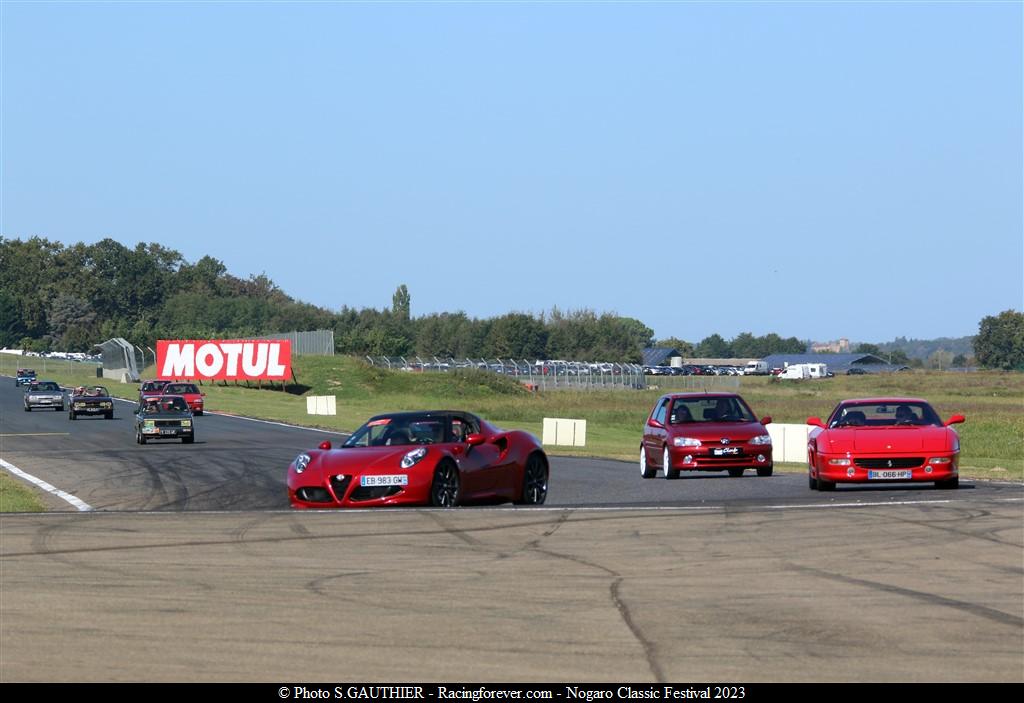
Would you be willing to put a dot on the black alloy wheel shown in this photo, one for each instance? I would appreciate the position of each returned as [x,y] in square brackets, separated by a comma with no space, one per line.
[444,491]
[535,481]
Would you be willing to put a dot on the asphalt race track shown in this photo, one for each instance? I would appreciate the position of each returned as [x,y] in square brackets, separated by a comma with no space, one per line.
[191,568]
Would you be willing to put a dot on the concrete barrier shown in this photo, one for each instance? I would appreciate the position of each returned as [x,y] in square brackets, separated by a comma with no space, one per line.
[321,405]
[789,442]
[566,433]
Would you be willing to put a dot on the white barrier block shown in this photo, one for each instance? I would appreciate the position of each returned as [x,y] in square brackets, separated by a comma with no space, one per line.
[321,405]
[564,432]
[789,442]
[550,431]
[580,434]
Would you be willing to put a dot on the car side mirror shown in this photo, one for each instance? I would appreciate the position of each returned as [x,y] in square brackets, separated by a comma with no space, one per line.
[475,440]
[955,420]
[766,420]
[815,422]
[325,444]
[654,423]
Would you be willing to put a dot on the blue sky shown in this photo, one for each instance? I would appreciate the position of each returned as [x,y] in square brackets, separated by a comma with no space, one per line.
[812,169]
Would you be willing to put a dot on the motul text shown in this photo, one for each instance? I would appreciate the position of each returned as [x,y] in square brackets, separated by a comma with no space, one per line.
[227,360]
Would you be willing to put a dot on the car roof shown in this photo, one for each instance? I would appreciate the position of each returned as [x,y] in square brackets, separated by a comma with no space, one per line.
[421,413]
[708,394]
[884,401]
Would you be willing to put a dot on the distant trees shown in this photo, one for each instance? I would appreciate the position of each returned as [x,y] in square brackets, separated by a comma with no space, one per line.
[1000,341]
[746,345]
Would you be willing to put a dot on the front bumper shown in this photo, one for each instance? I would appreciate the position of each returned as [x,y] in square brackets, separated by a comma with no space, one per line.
[45,403]
[853,473]
[313,490]
[702,458]
[166,432]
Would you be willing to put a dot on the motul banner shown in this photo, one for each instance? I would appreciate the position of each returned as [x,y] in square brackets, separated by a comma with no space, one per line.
[224,359]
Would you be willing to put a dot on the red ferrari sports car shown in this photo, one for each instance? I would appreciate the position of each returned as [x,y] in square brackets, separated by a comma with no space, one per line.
[704,432]
[883,440]
[440,458]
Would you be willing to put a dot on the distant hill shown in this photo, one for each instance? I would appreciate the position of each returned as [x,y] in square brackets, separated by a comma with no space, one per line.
[924,348]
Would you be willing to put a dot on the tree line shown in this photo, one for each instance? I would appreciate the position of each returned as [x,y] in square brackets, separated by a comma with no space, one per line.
[68,298]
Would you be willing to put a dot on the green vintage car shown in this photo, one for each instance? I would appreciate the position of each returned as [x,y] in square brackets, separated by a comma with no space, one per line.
[166,417]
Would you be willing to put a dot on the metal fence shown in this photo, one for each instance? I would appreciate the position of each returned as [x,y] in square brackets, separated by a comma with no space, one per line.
[312,343]
[694,383]
[542,375]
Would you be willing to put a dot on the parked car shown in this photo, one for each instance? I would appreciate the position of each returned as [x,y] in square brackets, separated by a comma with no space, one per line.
[90,400]
[440,458]
[166,417]
[189,391]
[44,394]
[704,432]
[856,371]
[883,440]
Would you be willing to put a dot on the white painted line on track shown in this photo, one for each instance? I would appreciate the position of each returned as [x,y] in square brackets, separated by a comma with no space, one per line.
[80,504]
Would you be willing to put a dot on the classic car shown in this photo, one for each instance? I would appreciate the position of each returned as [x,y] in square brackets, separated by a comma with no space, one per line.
[440,458]
[189,391]
[704,432]
[44,394]
[151,389]
[23,377]
[166,417]
[90,400]
[883,440]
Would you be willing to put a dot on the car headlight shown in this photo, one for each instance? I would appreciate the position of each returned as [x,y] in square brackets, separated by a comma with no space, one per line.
[414,457]
[301,462]
[686,442]
[186,423]
[762,439]
[149,424]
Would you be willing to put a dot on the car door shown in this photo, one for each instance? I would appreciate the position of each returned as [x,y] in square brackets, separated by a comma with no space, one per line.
[479,464]
[655,432]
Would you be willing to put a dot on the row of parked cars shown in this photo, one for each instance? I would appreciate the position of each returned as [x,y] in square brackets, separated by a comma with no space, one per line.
[166,409]
[693,370]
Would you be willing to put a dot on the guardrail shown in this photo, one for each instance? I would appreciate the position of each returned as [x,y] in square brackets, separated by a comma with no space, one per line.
[538,375]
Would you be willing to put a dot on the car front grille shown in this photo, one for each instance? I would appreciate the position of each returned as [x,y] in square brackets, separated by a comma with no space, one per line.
[894,463]
[339,486]
[168,423]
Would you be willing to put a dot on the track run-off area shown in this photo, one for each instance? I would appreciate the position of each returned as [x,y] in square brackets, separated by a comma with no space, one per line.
[188,565]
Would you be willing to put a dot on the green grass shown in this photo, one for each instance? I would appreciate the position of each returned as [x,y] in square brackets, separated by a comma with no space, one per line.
[992,437]
[16,497]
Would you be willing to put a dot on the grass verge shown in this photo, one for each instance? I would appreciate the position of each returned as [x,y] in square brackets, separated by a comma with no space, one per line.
[16,497]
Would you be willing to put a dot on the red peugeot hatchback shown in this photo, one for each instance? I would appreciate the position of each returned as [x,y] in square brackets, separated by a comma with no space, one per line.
[704,432]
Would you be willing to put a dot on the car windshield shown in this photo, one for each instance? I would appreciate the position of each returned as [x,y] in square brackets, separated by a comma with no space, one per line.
[45,386]
[153,385]
[166,405]
[710,409]
[408,429]
[26,372]
[884,414]
[95,391]
[178,388]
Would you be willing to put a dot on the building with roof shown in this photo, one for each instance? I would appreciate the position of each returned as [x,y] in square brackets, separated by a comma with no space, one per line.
[837,363]
[659,356]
